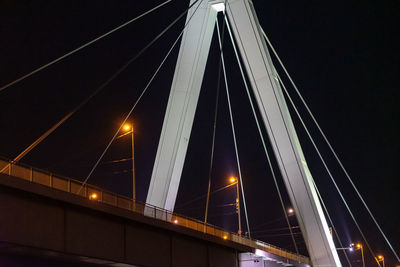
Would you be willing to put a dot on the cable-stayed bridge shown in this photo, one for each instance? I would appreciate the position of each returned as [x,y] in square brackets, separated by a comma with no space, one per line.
[94,226]
[240,24]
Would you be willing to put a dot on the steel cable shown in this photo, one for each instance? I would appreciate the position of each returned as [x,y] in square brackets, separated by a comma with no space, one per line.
[233,131]
[95,92]
[214,132]
[146,87]
[261,135]
[326,168]
[330,220]
[82,46]
[203,196]
[213,143]
[330,147]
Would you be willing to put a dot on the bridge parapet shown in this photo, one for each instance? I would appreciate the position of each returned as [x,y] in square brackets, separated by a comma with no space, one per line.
[76,187]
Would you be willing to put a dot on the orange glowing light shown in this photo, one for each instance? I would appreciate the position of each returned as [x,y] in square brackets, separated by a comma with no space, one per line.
[232,180]
[93,196]
[127,127]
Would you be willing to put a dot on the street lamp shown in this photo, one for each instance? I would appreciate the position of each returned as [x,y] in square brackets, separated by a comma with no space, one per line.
[350,247]
[234,180]
[359,246]
[379,259]
[128,128]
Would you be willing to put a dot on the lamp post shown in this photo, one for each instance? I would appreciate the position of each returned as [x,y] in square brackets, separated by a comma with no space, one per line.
[93,196]
[360,247]
[290,211]
[233,180]
[379,259]
[129,129]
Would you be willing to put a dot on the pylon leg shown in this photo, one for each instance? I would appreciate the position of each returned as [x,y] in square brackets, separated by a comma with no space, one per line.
[181,106]
[281,132]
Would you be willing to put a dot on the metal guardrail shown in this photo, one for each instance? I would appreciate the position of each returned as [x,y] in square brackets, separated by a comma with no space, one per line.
[72,186]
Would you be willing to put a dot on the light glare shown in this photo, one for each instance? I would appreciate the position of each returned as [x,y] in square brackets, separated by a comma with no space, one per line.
[219,7]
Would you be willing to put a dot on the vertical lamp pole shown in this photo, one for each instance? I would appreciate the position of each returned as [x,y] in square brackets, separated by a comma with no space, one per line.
[360,247]
[235,180]
[362,253]
[380,259]
[133,166]
[128,127]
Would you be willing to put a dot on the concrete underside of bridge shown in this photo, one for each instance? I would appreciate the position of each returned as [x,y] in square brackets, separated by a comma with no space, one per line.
[41,226]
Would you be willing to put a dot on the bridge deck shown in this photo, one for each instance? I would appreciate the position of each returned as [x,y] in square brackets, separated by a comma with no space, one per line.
[105,197]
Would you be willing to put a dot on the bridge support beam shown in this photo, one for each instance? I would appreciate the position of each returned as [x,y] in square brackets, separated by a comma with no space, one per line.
[181,106]
[273,109]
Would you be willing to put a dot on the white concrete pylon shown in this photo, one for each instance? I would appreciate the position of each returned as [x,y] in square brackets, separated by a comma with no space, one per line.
[273,109]
[181,106]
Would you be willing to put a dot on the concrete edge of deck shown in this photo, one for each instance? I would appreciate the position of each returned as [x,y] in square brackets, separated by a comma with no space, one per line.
[69,191]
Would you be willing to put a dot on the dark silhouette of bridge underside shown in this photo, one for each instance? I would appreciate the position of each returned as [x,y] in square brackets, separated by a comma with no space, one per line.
[39,221]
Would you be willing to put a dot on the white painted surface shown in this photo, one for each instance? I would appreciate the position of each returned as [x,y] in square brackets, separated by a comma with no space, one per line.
[283,137]
[181,108]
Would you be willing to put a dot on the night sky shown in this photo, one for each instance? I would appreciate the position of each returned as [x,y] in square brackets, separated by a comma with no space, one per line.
[344,58]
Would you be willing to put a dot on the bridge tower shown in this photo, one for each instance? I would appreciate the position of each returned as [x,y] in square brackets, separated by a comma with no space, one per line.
[261,73]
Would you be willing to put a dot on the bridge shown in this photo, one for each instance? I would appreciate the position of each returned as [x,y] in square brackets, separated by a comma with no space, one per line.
[47,216]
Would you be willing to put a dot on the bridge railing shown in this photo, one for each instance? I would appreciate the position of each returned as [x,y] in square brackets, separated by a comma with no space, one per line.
[95,193]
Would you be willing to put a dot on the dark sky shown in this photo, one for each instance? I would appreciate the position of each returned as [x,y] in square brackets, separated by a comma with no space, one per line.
[344,58]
